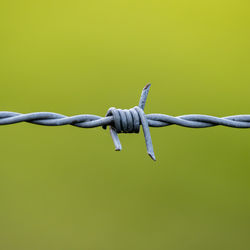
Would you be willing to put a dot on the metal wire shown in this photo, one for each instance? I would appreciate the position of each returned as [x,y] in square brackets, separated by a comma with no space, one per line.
[126,121]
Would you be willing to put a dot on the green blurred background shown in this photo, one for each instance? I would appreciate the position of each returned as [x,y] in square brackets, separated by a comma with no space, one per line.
[66,188]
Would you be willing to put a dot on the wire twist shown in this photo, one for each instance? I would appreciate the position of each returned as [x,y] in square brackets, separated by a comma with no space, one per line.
[126,121]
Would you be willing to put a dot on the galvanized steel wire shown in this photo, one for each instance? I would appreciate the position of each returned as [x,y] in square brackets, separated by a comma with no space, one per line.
[126,121]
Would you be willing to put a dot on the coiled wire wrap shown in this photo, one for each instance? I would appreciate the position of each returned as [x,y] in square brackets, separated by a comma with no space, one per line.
[126,121]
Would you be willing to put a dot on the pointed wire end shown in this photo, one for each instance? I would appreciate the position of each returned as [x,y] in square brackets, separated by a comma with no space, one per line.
[115,138]
[152,155]
[118,146]
[144,96]
[147,86]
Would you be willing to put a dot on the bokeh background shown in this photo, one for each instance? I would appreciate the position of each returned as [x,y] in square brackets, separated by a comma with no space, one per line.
[66,188]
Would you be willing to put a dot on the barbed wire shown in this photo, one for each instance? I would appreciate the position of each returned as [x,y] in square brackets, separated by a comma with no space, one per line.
[126,121]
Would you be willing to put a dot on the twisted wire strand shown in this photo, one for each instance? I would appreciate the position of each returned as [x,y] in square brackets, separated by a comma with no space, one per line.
[126,121]
[154,120]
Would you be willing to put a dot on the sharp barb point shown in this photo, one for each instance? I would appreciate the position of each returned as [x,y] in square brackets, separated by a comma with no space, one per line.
[147,86]
[152,156]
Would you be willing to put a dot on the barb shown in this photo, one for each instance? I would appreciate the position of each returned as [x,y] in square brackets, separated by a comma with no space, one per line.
[126,121]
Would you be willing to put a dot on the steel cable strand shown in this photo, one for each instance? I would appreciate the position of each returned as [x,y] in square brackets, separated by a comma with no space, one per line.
[154,120]
[54,119]
[198,121]
[126,121]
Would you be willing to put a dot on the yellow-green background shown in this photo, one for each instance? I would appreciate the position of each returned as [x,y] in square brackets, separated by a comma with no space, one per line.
[65,188]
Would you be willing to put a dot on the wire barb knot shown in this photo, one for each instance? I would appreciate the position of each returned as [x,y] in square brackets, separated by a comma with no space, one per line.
[125,121]
[129,121]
